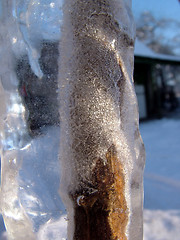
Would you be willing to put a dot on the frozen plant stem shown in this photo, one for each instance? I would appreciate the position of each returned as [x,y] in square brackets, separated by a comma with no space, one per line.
[102,154]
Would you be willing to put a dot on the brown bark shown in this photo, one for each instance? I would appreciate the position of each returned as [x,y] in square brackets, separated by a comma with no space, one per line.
[104,214]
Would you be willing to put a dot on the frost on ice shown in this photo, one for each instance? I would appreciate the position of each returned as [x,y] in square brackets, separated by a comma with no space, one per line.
[102,153]
[69,121]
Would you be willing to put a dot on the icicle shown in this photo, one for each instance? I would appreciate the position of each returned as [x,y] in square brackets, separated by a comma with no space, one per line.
[102,154]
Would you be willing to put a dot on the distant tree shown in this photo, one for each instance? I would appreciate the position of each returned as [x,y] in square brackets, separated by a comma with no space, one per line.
[160,34]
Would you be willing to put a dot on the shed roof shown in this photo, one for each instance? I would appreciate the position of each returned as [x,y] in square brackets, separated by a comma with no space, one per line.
[141,50]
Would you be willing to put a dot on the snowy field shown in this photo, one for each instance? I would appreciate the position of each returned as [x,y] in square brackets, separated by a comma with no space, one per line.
[161,181]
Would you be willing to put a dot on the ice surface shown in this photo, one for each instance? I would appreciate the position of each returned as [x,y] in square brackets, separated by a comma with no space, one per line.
[29,118]
[29,23]
[99,110]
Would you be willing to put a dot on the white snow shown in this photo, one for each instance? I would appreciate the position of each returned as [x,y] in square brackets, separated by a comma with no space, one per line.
[161,181]
[141,50]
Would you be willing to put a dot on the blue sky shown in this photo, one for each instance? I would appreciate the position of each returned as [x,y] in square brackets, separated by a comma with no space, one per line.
[160,8]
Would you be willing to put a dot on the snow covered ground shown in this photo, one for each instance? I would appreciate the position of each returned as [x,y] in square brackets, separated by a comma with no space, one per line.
[162,179]
[161,182]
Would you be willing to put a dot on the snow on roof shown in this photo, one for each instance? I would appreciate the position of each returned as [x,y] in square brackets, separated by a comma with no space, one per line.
[141,50]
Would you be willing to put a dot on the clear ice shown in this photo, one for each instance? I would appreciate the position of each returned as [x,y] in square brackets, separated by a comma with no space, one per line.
[29,120]
[68,109]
